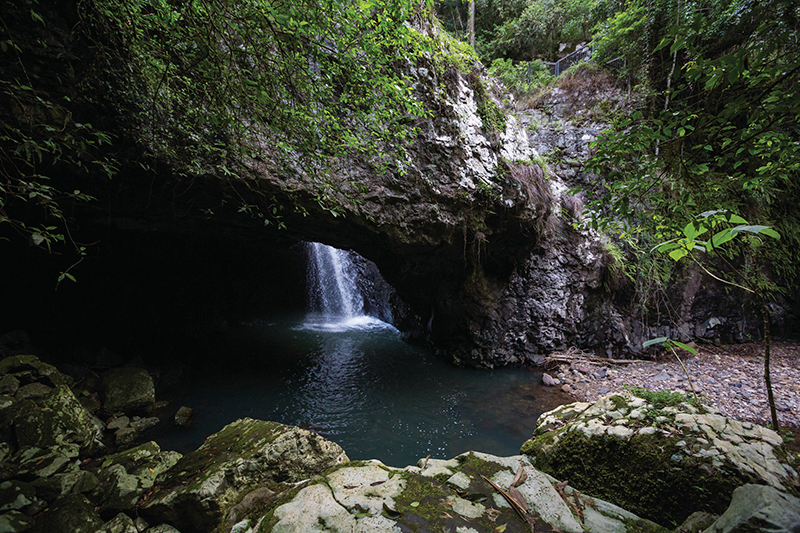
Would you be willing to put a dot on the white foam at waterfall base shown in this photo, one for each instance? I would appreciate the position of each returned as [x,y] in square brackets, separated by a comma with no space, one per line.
[337,324]
[335,302]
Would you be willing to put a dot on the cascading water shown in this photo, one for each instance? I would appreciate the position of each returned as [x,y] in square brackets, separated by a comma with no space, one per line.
[332,289]
[334,298]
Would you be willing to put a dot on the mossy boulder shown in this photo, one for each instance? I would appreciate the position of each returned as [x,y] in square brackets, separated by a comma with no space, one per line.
[662,463]
[71,514]
[15,521]
[26,369]
[43,412]
[127,390]
[197,492]
[55,419]
[126,476]
[440,495]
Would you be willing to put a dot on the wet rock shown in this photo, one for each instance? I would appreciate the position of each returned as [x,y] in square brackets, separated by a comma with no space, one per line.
[129,390]
[70,514]
[117,421]
[162,528]
[198,491]
[697,522]
[255,497]
[33,462]
[33,390]
[9,385]
[662,463]
[127,475]
[121,523]
[78,482]
[125,435]
[549,380]
[90,403]
[184,417]
[16,495]
[141,424]
[15,521]
[759,508]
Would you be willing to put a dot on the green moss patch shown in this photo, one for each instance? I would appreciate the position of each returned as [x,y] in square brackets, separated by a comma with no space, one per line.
[639,474]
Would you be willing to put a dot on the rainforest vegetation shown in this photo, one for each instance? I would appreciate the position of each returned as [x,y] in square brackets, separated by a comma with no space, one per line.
[218,88]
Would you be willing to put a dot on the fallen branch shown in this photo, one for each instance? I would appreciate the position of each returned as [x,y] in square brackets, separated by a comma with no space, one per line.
[521,511]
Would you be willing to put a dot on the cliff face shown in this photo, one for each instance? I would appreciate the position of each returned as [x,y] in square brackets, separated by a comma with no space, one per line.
[447,223]
[464,223]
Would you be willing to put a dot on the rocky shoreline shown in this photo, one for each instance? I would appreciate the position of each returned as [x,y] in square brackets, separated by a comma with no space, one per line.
[655,465]
[729,377]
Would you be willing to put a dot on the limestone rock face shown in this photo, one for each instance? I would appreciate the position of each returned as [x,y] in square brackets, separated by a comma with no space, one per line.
[127,475]
[442,495]
[759,508]
[659,462]
[197,492]
[129,390]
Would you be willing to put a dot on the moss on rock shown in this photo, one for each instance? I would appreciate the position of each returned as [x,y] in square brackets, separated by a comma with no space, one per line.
[197,492]
[662,463]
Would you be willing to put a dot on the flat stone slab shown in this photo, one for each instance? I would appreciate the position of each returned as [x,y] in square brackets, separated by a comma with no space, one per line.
[439,495]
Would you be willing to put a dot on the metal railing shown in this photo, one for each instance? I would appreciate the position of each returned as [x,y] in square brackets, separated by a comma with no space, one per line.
[581,54]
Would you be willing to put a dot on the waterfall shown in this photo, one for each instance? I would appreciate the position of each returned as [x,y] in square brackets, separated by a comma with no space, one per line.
[332,289]
[343,294]
[336,292]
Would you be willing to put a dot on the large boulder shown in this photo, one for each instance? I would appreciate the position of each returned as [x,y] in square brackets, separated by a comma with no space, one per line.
[759,508]
[664,461]
[43,412]
[70,514]
[128,389]
[126,476]
[197,492]
[438,495]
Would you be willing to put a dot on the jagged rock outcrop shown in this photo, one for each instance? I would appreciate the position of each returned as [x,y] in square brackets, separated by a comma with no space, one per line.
[439,495]
[562,125]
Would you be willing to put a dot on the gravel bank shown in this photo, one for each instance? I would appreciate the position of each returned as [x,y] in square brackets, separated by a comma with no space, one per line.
[730,377]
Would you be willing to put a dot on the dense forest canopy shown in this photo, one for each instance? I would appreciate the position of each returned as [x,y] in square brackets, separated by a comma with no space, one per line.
[713,120]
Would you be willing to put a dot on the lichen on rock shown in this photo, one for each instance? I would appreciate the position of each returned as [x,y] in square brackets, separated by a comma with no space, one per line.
[198,491]
[660,463]
[439,495]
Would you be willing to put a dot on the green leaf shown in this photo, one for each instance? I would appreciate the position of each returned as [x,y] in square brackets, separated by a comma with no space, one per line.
[659,340]
[694,229]
[679,254]
[722,237]
[685,347]
[749,229]
[771,233]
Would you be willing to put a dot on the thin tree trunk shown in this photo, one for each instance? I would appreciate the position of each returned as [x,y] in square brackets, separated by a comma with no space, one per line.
[767,378]
[472,23]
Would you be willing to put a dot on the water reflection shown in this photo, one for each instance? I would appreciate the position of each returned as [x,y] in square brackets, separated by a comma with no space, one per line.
[366,389]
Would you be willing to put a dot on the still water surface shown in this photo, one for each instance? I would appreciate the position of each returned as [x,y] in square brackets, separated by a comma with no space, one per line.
[357,383]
